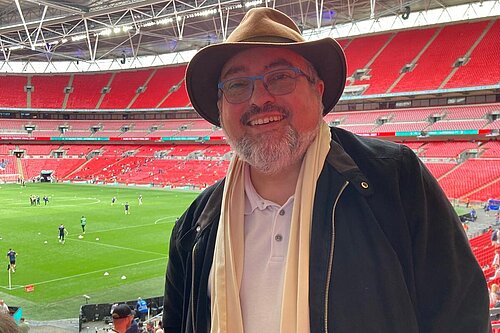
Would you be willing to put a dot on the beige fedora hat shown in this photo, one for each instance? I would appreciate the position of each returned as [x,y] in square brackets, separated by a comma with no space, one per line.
[263,27]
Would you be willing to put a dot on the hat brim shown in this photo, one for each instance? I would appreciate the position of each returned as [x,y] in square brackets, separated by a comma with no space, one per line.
[203,71]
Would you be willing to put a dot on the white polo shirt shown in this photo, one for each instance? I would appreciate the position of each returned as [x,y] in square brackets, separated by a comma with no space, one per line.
[267,231]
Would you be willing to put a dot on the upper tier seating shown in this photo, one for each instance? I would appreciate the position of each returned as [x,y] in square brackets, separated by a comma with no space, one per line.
[159,87]
[452,42]
[48,91]
[360,51]
[12,94]
[445,149]
[402,49]
[124,87]
[483,68]
[87,90]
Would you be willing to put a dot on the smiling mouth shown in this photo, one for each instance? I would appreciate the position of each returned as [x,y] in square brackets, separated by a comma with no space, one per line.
[265,120]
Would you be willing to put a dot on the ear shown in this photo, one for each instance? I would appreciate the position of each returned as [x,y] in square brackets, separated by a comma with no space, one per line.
[320,87]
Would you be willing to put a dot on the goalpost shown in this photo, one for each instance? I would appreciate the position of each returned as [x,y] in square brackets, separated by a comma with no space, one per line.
[9,178]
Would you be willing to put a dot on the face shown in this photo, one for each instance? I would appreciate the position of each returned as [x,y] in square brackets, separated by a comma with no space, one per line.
[271,132]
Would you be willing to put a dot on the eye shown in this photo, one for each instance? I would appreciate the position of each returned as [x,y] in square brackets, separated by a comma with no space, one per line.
[237,84]
[279,76]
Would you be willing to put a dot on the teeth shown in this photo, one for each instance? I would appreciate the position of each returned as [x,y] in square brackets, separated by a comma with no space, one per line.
[265,120]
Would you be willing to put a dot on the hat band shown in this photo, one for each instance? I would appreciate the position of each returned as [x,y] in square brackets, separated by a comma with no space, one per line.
[269,39]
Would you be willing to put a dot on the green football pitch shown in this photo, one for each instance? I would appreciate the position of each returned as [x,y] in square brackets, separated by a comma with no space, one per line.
[119,258]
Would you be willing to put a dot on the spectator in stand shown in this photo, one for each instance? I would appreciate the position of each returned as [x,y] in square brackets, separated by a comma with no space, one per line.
[159,329]
[494,237]
[8,324]
[142,309]
[494,297]
[497,218]
[23,326]
[255,252]
[497,273]
[123,319]
[3,307]
[496,259]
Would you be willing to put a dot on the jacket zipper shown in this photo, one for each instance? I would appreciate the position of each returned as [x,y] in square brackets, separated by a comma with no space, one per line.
[192,286]
[330,260]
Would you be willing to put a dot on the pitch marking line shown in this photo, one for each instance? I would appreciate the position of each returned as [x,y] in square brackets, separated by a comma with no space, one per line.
[131,226]
[116,246]
[87,273]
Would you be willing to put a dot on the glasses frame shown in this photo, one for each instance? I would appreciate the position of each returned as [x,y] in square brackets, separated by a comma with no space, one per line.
[298,72]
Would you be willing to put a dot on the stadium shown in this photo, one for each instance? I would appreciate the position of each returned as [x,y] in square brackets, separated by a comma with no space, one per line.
[95,122]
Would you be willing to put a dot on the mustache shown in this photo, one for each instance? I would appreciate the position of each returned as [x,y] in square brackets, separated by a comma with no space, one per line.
[255,110]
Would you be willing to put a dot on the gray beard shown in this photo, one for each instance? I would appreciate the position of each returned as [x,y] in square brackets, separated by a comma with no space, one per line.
[269,155]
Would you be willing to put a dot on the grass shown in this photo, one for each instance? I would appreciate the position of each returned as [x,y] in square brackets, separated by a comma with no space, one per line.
[134,246]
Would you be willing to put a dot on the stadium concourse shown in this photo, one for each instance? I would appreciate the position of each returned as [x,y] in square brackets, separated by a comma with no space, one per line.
[434,88]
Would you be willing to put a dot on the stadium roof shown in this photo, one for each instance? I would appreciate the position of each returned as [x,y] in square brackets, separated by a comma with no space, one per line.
[93,30]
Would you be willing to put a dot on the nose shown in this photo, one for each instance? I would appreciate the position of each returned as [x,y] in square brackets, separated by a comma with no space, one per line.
[260,95]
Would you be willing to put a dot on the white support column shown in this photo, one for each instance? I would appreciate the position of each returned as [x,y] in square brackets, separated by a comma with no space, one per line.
[24,24]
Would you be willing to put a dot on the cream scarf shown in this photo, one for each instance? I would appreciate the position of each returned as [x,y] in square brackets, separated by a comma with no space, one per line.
[229,246]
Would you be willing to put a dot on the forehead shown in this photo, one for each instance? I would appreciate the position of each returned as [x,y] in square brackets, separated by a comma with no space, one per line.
[260,59]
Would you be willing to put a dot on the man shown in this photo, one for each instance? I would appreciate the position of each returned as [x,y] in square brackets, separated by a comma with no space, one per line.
[127,206]
[83,223]
[23,326]
[45,200]
[140,199]
[313,229]
[11,254]
[3,307]
[62,233]
[142,308]
[123,319]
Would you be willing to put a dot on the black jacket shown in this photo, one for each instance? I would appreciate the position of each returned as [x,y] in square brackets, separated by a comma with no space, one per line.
[388,253]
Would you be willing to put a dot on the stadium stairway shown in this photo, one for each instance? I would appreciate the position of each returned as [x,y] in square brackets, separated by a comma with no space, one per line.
[448,172]
[467,195]
[68,176]
[20,170]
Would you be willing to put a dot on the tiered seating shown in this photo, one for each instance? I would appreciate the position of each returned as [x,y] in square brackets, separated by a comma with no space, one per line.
[402,49]
[469,176]
[48,91]
[457,125]
[216,150]
[184,150]
[60,166]
[38,149]
[87,90]
[77,134]
[79,150]
[452,43]
[124,88]
[82,125]
[8,165]
[12,92]
[360,117]
[406,115]
[402,127]
[446,149]
[483,249]
[12,125]
[178,98]
[94,167]
[439,169]
[493,125]
[468,112]
[362,49]
[118,150]
[491,149]
[358,128]
[46,124]
[175,124]
[159,86]
[483,67]
[490,191]
[6,149]
[149,150]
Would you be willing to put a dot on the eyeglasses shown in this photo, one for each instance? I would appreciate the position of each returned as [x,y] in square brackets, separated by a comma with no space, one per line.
[278,82]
